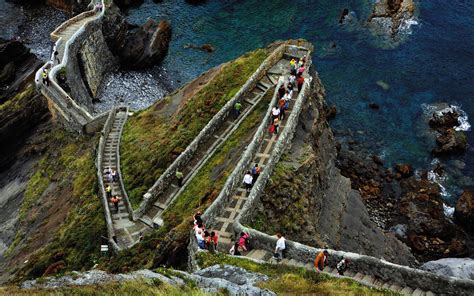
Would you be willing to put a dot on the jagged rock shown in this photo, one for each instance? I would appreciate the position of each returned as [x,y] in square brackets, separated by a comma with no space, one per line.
[331,112]
[204,47]
[234,280]
[124,4]
[457,267]
[444,120]
[464,213]
[147,45]
[450,142]
[8,73]
[404,169]
[374,106]
[114,28]
[344,13]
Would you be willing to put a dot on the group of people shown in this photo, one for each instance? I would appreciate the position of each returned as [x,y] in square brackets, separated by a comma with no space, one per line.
[111,176]
[206,240]
[251,177]
[285,94]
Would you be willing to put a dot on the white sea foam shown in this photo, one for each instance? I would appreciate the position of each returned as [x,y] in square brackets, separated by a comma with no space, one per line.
[436,178]
[406,26]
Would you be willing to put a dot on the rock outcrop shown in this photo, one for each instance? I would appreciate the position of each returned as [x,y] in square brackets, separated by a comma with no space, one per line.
[136,46]
[146,45]
[390,17]
[464,212]
[450,140]
[457,267]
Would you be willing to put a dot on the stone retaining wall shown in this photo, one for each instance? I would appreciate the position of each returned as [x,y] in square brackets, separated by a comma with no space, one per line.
[103,196]
[381,269]
[166,178]
[125,199]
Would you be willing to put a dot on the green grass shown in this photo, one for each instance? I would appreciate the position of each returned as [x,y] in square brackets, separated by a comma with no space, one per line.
[151,141]
[17,102]
[134,287]
[199,194]
[69,165]
[292,280]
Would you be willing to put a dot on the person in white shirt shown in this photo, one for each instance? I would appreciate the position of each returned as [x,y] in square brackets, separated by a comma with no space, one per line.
[248,180]
[275,113]
[280,246]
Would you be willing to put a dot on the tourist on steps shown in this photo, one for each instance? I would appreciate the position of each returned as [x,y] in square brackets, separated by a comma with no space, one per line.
[321,260]
[281,104]
[237,108]
[115,200]
[45,77]
[243,242]
[211,242]
[108,191]
[280,247]
[248,180]
[197,218]
[275,113]
[114,176]
[255,173]
[342,266]
[234,251]
[275,126]
[300,81]
[281,91]
[179,177]
[291,79]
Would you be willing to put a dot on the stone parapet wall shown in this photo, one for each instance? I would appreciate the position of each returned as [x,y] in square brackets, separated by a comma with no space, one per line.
[76,117]
[103,196]
[125,198]
[165,179]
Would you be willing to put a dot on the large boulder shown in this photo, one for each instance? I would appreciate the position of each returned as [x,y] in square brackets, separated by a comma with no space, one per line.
[464,213]
[147,45]
[114,28]
[456,267]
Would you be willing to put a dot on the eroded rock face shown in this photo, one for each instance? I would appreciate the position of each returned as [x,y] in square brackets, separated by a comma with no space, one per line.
[146,45]
[312,203]
[464,213]
[456,267]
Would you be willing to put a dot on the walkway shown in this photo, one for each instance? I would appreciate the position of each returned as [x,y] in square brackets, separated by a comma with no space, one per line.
[223,223]
[359,277]
[154,216]
[127,232]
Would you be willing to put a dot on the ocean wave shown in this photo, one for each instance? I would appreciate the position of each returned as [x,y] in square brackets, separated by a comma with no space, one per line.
[436,178]
[406,26]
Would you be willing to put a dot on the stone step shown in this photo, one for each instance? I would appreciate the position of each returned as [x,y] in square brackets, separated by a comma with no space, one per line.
[429,293]
[257,254]
[368,279]
[146,220]
[395,287]
[418,292]
[407,291]
[358,276]
[309,266]
[157,221]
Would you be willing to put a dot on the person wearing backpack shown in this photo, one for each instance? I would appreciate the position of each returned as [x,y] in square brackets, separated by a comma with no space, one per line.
[255,173]
[342,266]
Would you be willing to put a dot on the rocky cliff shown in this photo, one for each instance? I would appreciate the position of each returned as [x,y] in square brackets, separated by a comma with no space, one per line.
[309,201]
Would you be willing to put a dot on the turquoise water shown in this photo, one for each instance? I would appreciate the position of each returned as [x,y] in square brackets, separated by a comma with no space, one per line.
[435,64]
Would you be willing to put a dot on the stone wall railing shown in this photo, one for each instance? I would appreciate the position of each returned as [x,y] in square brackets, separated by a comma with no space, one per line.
[166,178]
[103,196]
[77,117]
[125,199]
[386,271]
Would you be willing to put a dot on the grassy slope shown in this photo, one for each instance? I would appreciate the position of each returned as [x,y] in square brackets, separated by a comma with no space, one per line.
[68,165]
[152,141]
[293,280]
[199,194]
[138,287]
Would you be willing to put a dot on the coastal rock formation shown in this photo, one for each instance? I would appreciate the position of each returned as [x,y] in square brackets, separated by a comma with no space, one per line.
[445,119]
[309,201]
[136,46]
[390,17]
[450,142]
[146,45]
[464,213]
[457,267]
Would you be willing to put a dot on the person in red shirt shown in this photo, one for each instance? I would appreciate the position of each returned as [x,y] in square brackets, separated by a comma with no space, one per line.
[300,81]
[212,241]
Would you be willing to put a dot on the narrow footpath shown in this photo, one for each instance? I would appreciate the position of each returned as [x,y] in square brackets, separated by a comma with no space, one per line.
[127,232]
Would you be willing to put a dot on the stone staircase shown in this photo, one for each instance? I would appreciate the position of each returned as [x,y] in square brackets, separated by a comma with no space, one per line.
[153,217]
[127,232]
[266,256]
